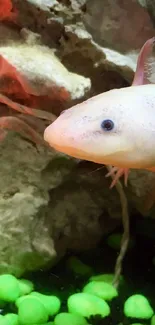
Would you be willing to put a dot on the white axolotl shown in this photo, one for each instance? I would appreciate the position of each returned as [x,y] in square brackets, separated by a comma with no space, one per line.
[114,128]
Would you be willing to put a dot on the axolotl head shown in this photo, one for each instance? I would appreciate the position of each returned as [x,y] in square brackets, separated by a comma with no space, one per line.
[111,128]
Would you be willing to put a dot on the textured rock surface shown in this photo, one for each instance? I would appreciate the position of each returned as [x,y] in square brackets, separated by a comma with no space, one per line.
[52,75]
[40,200]
[48,202]
[114,23]
[21,198]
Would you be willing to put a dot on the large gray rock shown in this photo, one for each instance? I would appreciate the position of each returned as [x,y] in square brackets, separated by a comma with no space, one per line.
[48,205]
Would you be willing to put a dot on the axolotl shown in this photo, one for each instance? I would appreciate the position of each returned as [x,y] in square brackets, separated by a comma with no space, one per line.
[114,128]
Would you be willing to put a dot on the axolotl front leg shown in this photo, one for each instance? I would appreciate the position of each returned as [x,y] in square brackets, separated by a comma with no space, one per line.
[15,124]
[116,173]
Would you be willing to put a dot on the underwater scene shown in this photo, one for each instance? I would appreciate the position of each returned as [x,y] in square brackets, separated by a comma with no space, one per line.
[77,162]
[79,289]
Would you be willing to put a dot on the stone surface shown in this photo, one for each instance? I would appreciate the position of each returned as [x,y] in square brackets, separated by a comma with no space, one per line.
[114,23]
[39,71]
[21,199]
[51,77]
[50,203]
[41,215]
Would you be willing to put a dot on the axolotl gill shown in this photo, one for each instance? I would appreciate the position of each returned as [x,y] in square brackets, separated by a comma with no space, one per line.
[114,128]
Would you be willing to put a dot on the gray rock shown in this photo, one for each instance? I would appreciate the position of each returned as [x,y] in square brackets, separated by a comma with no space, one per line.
[21,198]
[48,205]
[120,25]
[40,72]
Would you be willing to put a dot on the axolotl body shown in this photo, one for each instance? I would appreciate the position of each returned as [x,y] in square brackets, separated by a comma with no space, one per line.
[114,128]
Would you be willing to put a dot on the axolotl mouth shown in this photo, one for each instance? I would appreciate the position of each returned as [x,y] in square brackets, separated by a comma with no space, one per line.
[63,138]
[56,139]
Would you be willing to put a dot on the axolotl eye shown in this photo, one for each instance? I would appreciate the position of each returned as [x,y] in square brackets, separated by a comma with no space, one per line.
[107,125]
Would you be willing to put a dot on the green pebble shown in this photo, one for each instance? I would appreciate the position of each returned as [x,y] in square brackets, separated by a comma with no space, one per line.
[25,286]
[108,278]
[153,320]
[103,277]
[32,311]
[136,324]
[3,321]
[49,323]
[11,319]
[137,306]
[19,300]
[69,319]
[100,289]
[78,267]
[9,288]
[51,303]
[85,304]
[114,241]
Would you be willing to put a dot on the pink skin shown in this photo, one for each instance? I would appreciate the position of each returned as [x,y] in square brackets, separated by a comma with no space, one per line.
[76,136]
[16,124]
[27,110]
